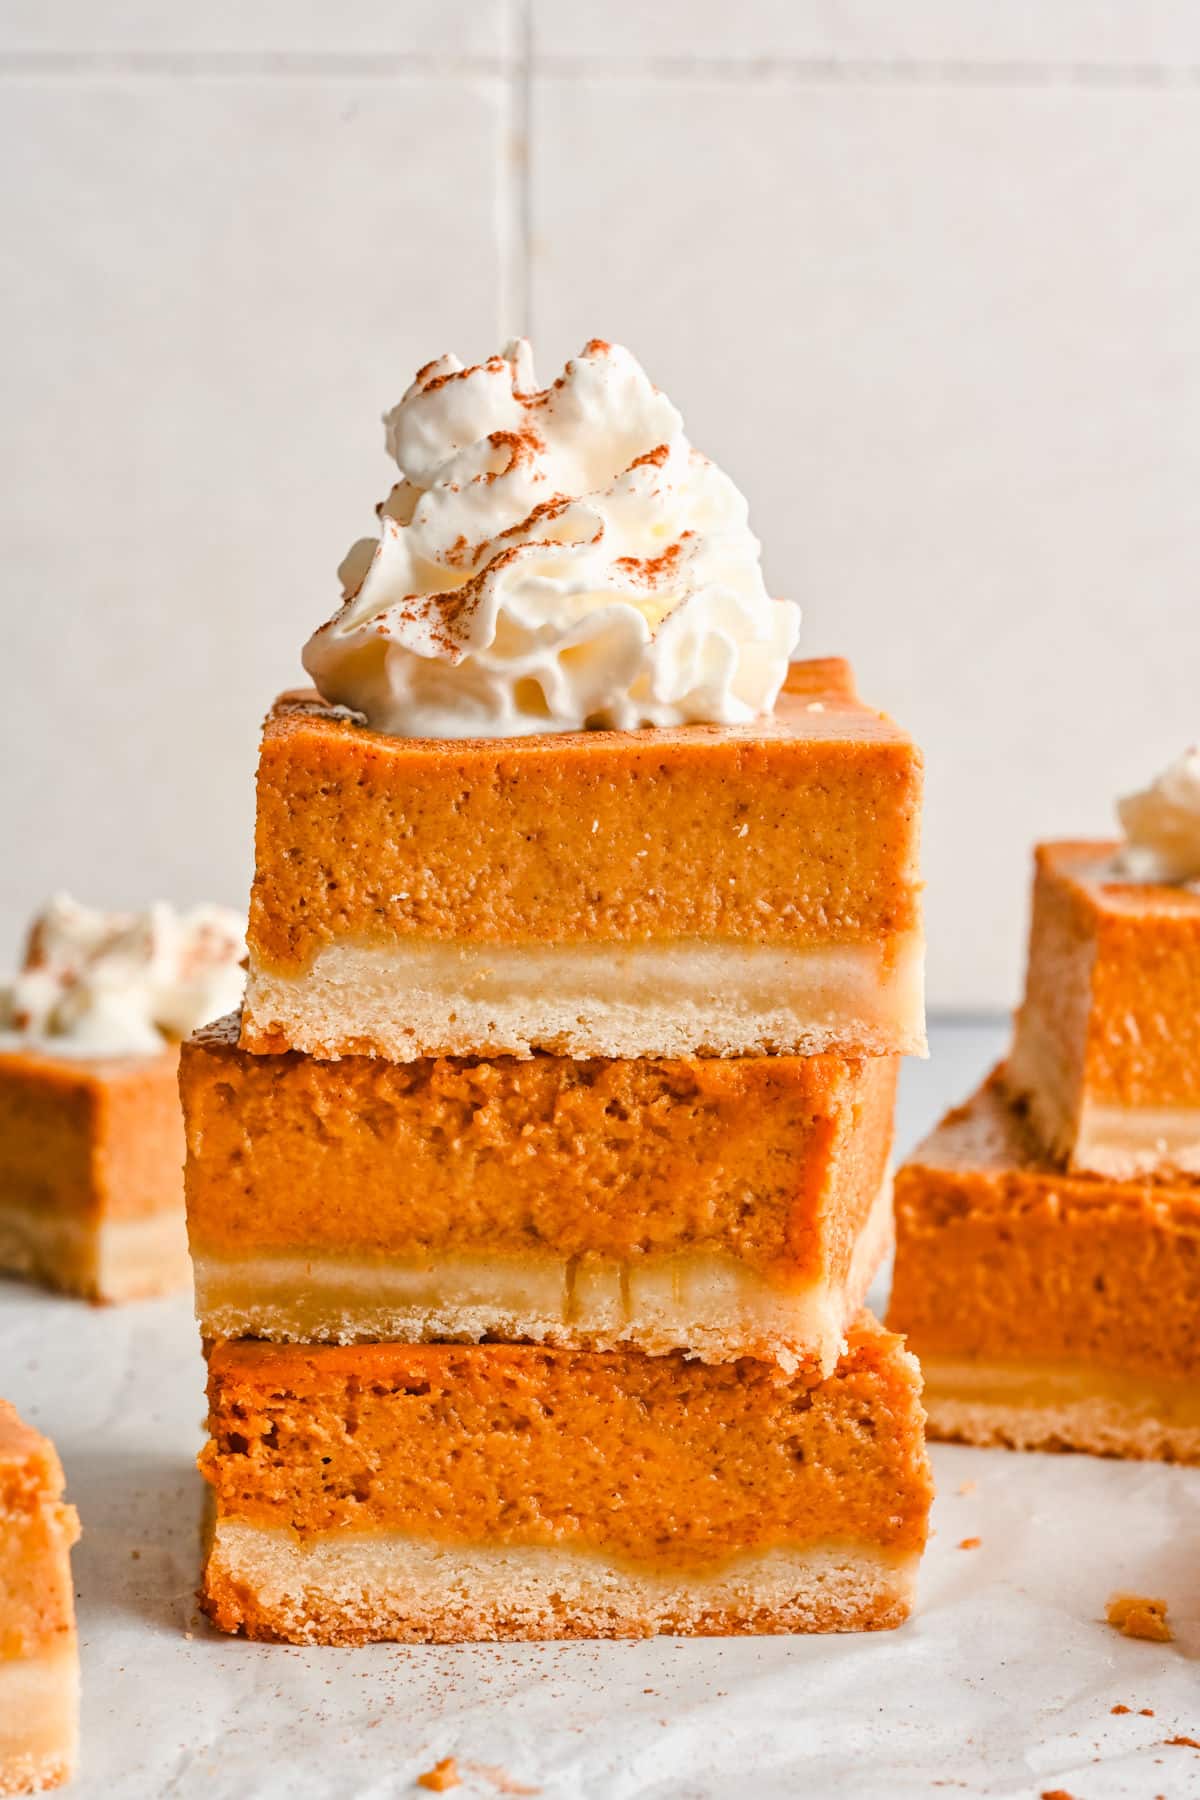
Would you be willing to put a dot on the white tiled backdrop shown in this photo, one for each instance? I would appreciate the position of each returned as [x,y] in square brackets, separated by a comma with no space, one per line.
[925,278]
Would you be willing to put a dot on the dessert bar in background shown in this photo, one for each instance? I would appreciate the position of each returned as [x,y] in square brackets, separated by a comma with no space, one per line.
[1106,1053]
[1048,1236]
[730,1207]
[441,1493]
[534,1197]
[39,1652]
[91,1139]
[1049,1310]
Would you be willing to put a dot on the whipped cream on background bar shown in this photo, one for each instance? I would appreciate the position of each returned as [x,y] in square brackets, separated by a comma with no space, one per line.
[552,559]
[1162,826]
[107,984]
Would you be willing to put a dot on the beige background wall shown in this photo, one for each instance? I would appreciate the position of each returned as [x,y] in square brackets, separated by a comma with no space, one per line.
[926,279]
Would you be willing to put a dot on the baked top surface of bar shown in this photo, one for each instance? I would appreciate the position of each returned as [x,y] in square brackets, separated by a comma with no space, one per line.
[510,1444]
[772,1160]
[1000,1253]
[800,827]
[1086,865]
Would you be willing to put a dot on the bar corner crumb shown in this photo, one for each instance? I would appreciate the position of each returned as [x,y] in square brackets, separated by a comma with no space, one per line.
[1138,1616]
[442,1777]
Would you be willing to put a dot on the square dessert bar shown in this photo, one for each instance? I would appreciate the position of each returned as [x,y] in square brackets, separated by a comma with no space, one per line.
[1050,1311]
[693,890]
[91,1172]
[729,1207]
[39,1655]
[445,1493]
[1107,1048]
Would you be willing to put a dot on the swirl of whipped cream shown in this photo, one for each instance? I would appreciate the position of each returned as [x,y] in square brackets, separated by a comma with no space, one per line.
[119,984]
[1162,825]
[553,559]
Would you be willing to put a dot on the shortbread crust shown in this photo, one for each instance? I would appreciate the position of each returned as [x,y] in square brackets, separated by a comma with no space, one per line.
[693,999]
[108,1260]
[39,1706]
[359,1588]
[1033,1405]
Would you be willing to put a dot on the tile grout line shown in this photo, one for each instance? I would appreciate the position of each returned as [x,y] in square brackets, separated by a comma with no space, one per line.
[512,182]
[521,67]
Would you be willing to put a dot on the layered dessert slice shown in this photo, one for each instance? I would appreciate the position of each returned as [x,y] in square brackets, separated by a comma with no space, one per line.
[694,890]
[1106,1053]
[545,798]
[446,1493]
[39,1655]
[1050,1311]
[729,1207]
[91,1138]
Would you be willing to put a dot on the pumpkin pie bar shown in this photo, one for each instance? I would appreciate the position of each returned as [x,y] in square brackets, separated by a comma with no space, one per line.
[39,1655]
[91,1185]
[1050,1310]
[1106,1053]
[730,1207]
[732,889]
[445,1493]
[91,1138]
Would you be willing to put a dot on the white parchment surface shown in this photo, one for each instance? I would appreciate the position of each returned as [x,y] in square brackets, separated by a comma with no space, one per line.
[1003,1683]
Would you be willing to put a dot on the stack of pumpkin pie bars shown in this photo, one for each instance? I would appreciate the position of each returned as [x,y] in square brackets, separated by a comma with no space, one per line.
[534,1195]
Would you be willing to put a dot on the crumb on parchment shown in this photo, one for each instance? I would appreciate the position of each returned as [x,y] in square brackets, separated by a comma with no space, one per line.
[970,1543]
[1138,1616]
[443,1776]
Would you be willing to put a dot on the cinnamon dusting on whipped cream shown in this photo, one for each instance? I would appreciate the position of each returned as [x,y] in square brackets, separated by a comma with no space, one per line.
[552,559]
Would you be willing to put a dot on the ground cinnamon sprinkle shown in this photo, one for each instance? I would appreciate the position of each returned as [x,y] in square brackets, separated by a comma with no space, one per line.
[1056,1794]
[1120,1709]
[443,1776]
[650,568]
[1191,1743]
[653,458]
[1137,1616]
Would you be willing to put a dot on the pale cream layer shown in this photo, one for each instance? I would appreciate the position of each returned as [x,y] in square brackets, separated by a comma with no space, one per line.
[358,1586]
[1073,1405]
[434,999]
[112,1260]
[713,1306]
[39,1719]
[1124,1143]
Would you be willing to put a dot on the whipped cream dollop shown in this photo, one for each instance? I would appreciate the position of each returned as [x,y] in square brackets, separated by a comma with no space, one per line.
[552,559]
[1162,825]
[123,983]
